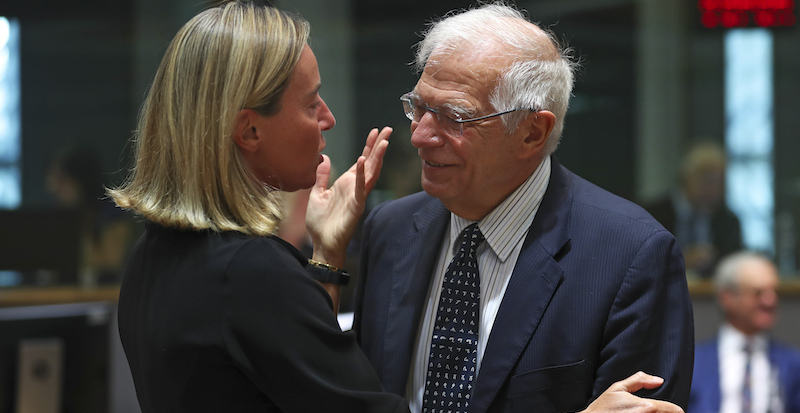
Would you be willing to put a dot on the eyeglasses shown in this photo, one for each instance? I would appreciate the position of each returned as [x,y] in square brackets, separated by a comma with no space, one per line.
[449,120]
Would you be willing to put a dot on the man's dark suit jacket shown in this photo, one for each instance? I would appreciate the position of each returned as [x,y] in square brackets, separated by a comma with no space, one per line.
[598,293]
[706,396]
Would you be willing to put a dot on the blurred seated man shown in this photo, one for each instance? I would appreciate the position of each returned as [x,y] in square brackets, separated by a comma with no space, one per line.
[743,369]
[696,213]
[75,180]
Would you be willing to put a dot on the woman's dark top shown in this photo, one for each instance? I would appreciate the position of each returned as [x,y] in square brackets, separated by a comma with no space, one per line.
[225,322]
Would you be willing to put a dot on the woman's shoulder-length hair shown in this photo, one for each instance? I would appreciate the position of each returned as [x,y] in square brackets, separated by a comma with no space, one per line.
[188,172]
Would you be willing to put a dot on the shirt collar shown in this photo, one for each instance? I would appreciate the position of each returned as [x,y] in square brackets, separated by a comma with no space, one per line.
[505,226]
[734,340]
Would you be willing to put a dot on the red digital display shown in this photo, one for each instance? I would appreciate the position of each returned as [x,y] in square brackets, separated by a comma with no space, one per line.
[743,13]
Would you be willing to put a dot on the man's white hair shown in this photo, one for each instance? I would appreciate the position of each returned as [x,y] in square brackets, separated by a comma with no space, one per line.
[726,276]
[540,74]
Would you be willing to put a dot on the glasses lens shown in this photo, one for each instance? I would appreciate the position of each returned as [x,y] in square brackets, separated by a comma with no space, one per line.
[447,121]
[407,108]
[415,110]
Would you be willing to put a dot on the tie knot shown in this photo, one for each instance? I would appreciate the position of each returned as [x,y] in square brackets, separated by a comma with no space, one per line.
[472,234]
[749,346]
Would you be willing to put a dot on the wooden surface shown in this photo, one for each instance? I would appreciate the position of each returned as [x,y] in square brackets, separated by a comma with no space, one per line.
[15,297]
[11,297]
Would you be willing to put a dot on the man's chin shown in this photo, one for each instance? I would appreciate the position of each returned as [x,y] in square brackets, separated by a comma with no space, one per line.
[433,189]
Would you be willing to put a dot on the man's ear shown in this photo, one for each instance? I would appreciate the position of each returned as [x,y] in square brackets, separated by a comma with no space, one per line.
[535,130]
[245,134]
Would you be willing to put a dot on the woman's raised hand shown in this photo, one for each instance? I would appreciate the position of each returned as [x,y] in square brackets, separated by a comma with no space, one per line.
[333,213]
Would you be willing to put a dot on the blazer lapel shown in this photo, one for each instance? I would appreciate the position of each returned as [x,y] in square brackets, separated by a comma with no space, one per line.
[411,274]
[534,282]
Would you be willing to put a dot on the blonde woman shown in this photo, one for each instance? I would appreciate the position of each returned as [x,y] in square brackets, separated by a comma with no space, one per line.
[217,314]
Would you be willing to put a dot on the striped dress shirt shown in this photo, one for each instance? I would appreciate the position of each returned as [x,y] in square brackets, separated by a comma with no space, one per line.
[505,229]
[731,371]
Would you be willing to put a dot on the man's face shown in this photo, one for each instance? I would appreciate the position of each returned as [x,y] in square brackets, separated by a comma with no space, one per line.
[753,307]
[705,190]
[471,173]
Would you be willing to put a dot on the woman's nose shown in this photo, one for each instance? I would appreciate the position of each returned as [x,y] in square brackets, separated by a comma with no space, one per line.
[325,117]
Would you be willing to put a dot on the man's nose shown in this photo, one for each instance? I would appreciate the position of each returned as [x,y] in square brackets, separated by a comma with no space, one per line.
[426,132]
[769,297]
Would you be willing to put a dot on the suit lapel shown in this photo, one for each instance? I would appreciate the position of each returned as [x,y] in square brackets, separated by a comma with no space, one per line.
[777,368]
[534,282]
[411,274]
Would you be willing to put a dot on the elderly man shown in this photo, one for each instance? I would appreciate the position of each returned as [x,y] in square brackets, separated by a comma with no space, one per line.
[742,370]
[512,284]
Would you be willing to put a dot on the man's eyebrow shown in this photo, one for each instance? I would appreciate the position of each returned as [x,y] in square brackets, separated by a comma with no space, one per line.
[460,110]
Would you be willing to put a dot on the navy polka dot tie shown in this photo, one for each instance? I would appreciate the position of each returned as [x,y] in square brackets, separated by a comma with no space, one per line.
[454,345]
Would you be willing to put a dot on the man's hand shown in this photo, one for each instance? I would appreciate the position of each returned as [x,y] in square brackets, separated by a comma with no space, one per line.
[333,213]
[618,397]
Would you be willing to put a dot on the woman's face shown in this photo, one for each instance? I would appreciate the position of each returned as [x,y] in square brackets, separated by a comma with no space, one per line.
[289,154]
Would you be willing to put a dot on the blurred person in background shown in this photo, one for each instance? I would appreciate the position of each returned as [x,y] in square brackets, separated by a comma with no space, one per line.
[744,370]
[696,212]
[75,180]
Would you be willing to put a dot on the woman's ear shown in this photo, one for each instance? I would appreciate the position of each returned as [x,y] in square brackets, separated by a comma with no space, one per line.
[245,134]
[535,130]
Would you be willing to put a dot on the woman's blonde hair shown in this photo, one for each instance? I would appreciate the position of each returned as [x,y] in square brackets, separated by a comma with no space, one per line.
[188,172]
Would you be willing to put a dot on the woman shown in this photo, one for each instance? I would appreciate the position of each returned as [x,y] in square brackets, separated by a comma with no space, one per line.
[216,314]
